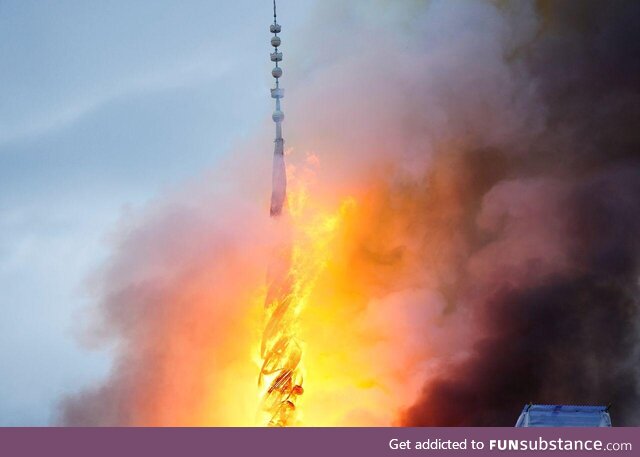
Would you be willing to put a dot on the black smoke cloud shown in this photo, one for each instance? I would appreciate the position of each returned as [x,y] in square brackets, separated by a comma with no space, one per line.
[568,336]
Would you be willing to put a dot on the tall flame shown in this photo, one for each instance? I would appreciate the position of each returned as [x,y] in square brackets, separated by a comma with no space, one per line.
[291,279]
[280,349]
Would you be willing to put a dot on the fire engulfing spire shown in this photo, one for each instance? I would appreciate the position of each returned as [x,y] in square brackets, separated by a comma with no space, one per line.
[280,350]
[279,185]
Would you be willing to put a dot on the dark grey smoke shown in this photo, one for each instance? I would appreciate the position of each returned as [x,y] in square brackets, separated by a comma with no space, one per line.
[571,335]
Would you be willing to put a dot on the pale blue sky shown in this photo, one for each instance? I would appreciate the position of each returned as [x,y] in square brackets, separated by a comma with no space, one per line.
[103,104]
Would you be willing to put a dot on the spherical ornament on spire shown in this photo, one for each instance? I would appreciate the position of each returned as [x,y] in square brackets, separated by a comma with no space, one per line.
[275,41]
[276,72]
[278,116]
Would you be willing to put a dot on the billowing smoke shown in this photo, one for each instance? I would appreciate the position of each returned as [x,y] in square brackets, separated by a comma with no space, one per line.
[490,257]
[552,273]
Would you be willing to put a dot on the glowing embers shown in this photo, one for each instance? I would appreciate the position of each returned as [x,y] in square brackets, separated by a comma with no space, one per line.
[280,399]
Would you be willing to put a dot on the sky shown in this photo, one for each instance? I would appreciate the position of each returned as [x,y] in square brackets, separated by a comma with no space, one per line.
[104,106]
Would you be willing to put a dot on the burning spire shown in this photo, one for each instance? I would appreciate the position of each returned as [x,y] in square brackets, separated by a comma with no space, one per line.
[280,349]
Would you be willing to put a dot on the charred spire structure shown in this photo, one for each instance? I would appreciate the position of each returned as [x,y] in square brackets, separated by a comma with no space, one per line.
[279,185]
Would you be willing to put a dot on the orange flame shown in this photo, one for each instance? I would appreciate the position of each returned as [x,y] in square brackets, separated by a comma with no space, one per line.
[318,327]
[291,279]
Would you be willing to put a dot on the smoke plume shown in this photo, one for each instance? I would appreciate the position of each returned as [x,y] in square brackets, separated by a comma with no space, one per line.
[483,158]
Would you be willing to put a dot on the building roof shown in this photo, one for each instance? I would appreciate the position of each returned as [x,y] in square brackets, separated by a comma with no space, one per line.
[564,416]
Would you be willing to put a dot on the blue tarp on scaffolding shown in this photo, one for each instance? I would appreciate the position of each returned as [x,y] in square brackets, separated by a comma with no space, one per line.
[564,416]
